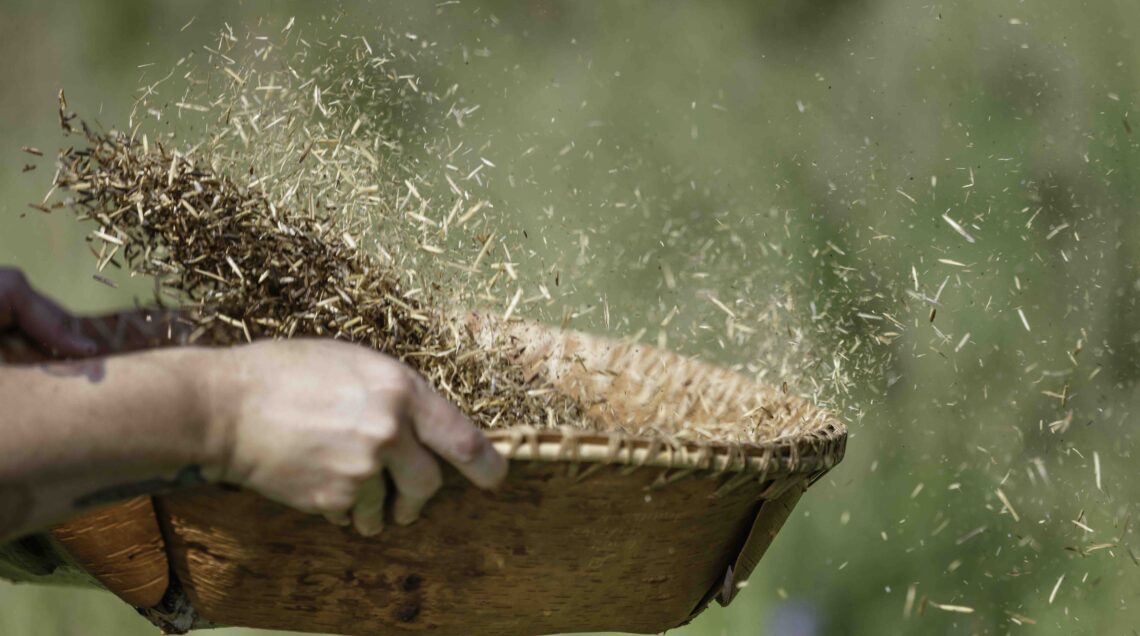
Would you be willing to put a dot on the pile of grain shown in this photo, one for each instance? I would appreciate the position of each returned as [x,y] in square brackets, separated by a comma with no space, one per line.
[264,271]
[268,272]
[303,209]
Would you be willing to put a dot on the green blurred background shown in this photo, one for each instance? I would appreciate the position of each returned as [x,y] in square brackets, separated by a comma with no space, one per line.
[660,153]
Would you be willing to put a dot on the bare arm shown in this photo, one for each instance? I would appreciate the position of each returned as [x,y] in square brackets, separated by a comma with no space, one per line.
[313,424]
[78,434]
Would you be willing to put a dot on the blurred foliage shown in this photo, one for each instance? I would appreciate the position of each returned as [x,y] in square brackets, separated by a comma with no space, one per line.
[805,153]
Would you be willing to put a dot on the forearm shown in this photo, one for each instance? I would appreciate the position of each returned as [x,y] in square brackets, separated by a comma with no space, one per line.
[78,434]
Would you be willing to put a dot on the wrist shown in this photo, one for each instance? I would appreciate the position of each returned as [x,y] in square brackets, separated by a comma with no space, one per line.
[214,394]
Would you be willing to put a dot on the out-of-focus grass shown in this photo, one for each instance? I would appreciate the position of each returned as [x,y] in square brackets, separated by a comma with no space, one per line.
[769,131]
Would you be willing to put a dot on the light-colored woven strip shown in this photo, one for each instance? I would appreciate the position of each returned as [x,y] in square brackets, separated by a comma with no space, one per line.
[802,456]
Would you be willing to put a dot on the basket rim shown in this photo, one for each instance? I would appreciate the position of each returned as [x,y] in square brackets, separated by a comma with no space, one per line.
[808,453]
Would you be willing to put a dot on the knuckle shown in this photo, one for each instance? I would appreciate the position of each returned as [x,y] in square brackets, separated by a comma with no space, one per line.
[399,394]
[359,470]
[387,442]
[406,384]
[333,500]
[384,435]
[397,389]
[469,445]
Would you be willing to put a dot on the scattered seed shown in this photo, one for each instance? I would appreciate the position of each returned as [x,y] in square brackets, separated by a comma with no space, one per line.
[958,228]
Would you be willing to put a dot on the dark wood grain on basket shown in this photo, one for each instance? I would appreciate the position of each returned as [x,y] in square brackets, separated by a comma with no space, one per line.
[548,553]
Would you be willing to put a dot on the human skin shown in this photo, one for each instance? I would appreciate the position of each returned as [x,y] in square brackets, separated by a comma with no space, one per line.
[314,424]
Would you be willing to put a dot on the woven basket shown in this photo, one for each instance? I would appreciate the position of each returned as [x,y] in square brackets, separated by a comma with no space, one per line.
[590,532]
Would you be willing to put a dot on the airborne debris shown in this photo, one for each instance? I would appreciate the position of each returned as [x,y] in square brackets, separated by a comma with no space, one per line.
[1024,320]
[296,213]
[1006,505]
[959,609]
[1053,594]
[958,228]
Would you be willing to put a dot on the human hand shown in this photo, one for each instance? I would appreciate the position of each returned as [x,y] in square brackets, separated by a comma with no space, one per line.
[37,318]
[313,423]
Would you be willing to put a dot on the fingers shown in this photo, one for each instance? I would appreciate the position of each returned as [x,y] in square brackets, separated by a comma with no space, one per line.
[39,318]
[415,475]
[368,513]
[441,427]
[51,326]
